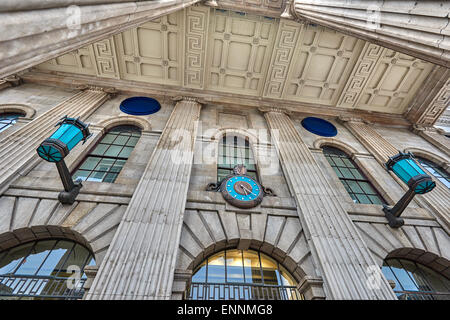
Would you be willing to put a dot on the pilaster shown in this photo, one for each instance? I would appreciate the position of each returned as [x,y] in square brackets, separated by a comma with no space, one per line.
[140,262]
[438,200]
[18,150]
[342,256]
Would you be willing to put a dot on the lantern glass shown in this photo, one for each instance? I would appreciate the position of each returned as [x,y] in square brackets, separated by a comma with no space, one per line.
[406,169]
[68,134]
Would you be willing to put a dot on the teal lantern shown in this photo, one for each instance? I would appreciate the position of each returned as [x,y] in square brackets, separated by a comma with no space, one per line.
[70,132]
[54,149]
[406,168]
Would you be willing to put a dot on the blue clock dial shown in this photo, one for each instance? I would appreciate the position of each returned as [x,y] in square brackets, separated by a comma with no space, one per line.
[243,188]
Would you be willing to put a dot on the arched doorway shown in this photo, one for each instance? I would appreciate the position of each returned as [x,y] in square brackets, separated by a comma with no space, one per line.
[415,281]
[242,275]
[44,269]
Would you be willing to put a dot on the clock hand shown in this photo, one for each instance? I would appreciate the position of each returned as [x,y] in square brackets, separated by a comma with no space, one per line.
[243,188]
[247,190]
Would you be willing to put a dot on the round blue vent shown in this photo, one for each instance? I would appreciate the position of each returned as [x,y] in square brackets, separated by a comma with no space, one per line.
[140,106]
[319,126]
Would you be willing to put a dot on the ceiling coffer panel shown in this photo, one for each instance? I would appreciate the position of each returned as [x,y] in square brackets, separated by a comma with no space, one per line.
[223,51]
[240,46]
[153,51]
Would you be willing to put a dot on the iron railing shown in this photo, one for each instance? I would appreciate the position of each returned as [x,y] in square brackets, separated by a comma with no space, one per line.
[40,287]
[222,291]
[422,295]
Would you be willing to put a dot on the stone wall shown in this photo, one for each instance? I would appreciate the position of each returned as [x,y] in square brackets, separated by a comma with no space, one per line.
[29,208]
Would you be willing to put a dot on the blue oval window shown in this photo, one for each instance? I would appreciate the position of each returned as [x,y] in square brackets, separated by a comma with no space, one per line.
[319,126]
[140,106]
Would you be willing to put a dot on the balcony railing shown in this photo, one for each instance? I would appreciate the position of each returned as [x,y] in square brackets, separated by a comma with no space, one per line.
[221,291]
[41,287]
[422,295]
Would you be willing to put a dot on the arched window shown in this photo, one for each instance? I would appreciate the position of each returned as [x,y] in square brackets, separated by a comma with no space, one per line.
[234,150]
[242,275]
[414,281]
[107,159]
[40,270]
[435,170]
[8,119]
[354,181]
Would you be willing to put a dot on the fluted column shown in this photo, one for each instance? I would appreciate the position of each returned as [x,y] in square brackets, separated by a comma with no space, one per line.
[140,262]
[416,28]
[344,259]
[438,200]
[18,150]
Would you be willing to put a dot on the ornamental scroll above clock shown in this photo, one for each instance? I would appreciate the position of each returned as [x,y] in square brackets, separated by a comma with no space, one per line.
[241,190]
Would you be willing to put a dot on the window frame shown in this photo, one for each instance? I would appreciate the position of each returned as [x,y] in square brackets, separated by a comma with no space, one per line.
[12,121]
[344,180]
[247,145]
[115,159]
[427,163]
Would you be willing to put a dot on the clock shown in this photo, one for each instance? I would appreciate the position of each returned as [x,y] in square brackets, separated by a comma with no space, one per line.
[242,191]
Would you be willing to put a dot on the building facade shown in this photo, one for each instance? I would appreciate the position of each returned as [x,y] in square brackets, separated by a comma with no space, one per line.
[310,99]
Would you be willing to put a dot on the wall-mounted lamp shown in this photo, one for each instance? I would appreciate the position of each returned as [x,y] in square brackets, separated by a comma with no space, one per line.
[406,168]
[54,149]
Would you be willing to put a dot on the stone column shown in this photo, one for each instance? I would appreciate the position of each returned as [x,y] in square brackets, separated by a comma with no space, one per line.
[438,200]
[400,26]
[140,262]
[344,261]
[18,150]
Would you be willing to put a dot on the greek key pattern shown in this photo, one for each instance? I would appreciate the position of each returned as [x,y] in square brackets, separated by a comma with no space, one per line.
[262,4]
[105,58]
[287,39]
[196,32]
[357,81]
[437,107]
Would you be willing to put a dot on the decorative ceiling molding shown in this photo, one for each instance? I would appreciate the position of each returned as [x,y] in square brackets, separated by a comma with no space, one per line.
[417,28]
[240,54]
[33,37]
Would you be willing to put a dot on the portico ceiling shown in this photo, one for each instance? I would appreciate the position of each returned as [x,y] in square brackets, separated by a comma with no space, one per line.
[234,52]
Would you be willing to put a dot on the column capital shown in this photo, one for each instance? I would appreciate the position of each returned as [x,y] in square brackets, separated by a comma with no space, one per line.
[423,128]
[110,90]
[275,110]
[312,288]
[344,119]
[10,81]
[188,98]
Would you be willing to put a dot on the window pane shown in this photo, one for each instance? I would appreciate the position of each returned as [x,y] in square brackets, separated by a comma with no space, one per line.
[270,271]
[113,151]
[216,268]
[252,267]
[110,177]
[200,273]
[100,149]
[35,259]
[125,153]
[109,138]
[90,163]
[402,276]
[235,269]
[14,257]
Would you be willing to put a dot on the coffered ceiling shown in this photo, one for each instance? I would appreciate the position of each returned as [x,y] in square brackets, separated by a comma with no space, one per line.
[234,52]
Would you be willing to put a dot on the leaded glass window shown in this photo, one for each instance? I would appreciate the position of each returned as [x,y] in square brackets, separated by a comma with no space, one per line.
[355,182]
[107,159]
[41,270]
[8,119]
[438,172]
[242,274]
[414,281]
[234,150]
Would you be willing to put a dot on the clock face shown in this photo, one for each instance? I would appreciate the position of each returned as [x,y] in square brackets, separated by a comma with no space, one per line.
[242,191]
